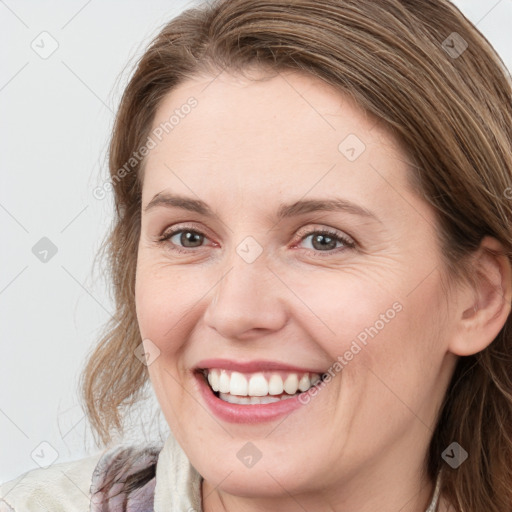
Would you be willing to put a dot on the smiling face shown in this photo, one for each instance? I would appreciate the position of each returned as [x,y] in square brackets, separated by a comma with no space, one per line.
[280,241]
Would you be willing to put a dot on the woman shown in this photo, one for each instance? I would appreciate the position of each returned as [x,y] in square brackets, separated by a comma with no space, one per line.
[311,260]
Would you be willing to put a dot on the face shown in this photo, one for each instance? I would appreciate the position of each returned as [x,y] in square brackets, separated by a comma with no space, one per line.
[281,244]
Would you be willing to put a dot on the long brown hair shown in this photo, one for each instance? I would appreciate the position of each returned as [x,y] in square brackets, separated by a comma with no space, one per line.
[435,81]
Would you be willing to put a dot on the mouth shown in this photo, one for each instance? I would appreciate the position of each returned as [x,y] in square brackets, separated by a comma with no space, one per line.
[257,391]
[257,388]
[260,387]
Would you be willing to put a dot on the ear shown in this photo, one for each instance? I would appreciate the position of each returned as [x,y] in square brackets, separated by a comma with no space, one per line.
[483,308]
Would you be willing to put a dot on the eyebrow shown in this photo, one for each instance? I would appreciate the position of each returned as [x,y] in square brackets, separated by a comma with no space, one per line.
[284,211]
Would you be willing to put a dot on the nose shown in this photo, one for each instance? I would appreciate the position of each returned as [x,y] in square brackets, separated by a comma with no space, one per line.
[248,301]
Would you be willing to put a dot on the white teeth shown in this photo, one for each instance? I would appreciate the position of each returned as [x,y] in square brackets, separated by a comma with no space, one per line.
[213,379]
[291,384]
[238,384]
[304,383]
[246,400]
[224,381]
[275,385]
[258,385]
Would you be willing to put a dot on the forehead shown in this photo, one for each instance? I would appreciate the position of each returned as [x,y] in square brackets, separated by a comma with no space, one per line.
[287,133]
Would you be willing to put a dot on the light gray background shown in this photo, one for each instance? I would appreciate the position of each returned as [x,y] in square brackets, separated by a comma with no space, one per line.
[56,115]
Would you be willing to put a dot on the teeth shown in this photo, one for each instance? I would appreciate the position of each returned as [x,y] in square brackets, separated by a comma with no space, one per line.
[291,384]
[213,379]
[238,385]
[246,400]
[224,382]
[275,385]
[304,382]
[258,387]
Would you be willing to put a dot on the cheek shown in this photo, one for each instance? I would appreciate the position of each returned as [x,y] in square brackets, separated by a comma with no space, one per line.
[406,347]
[164,298]
[345,306]
[365,323]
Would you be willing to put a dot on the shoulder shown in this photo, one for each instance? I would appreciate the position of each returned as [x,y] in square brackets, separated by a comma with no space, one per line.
[120,478]
[61,487]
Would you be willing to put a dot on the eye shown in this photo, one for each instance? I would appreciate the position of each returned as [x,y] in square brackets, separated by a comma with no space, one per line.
[182,239]
[326,241]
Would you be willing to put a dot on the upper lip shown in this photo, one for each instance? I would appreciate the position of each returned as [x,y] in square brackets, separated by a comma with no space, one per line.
[253,366]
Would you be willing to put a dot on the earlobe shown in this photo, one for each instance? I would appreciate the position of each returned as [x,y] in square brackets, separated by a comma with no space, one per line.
[484,307]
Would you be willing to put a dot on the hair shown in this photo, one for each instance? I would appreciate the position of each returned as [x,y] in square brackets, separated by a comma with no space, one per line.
[451,112]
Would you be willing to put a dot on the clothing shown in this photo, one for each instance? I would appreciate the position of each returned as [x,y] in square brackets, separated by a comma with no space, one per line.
[167,482]
[73,486]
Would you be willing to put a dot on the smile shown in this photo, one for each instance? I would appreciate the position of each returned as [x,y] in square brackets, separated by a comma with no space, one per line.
[259,387]
[254,392]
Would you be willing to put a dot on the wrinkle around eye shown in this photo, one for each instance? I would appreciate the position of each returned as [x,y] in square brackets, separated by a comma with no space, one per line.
[366,235]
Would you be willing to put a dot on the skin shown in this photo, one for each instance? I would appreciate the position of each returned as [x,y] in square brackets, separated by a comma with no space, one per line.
[360,444]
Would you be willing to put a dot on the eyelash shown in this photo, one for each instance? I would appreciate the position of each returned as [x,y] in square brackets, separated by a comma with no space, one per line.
[348,243]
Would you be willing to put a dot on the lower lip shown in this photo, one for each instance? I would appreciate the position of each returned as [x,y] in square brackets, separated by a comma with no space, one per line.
[252,413]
